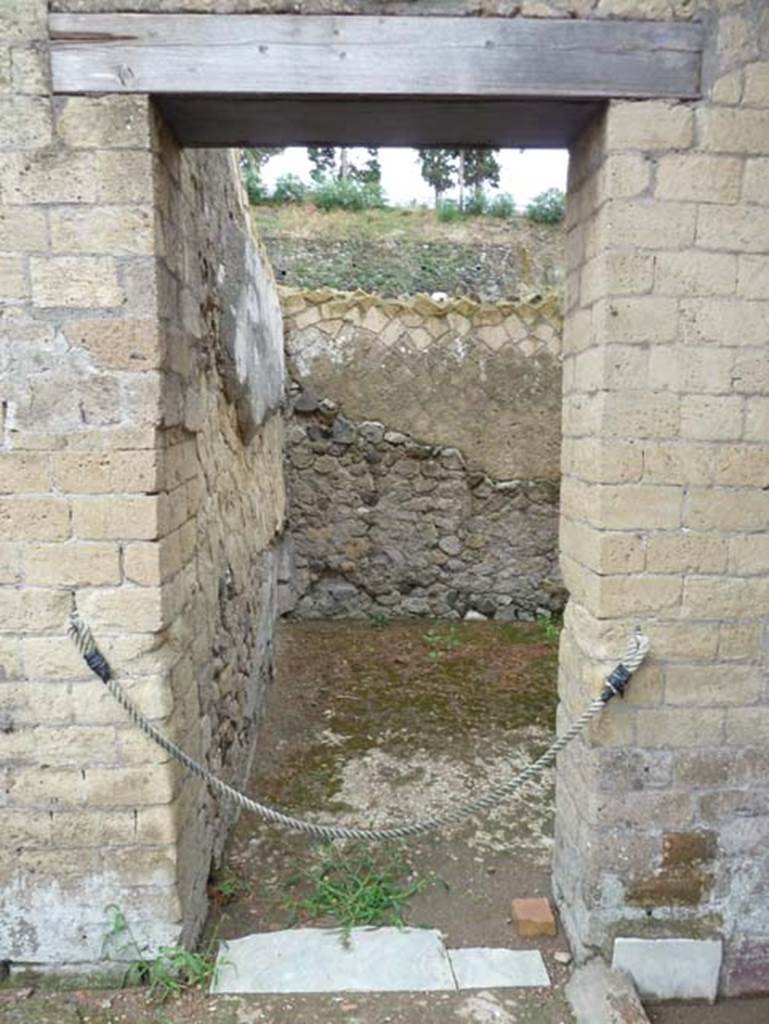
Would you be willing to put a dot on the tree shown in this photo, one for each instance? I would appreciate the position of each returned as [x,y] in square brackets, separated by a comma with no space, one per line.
[257,156]
[468,167]
[252,161]
[323,160]
[371,172]
[481,168]
[333,162]
[439,169]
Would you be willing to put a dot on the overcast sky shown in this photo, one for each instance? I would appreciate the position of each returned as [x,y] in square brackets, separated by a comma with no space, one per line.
[524,174]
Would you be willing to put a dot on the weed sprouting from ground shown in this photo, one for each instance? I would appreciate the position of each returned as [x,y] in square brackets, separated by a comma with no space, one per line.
[171,972]
[442,643]
[228,887]
[551,628]
[353,887]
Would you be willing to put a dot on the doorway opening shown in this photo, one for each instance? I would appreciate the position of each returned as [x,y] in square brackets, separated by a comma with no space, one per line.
[420,593]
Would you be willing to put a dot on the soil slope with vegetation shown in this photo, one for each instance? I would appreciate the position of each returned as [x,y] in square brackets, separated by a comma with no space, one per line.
[405,251]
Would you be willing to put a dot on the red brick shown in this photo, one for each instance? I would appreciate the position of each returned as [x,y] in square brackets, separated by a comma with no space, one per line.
[533,916]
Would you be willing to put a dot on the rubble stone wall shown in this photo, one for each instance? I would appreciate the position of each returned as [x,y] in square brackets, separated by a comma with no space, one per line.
[383,525]
[223,439]
[517,259]
[482,377]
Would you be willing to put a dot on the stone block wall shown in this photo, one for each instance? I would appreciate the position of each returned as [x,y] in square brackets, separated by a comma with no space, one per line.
[422,456]
[132,455]
[662,815]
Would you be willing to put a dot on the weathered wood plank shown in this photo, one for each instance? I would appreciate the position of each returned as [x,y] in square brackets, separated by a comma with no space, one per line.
[237,121]
[285,55]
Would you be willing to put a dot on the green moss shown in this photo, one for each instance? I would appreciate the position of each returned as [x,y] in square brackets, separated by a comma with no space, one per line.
[413,699]
[45,981]
[306,784]
[514,632]
[704,926]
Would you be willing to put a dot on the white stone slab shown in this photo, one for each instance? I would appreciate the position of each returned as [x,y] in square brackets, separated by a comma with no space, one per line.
[671,968]
[499,968]
[315,960]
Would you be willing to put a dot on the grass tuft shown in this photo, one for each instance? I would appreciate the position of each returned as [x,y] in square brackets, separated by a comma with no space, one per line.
[551,626]
[442,643]
[170,973]
[353,887]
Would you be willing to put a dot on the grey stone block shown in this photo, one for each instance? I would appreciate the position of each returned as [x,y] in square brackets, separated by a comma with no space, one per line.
[671,968]
[598,995]
[499,968]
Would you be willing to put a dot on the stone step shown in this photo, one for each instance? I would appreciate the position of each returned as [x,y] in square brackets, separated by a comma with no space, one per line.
[303,960]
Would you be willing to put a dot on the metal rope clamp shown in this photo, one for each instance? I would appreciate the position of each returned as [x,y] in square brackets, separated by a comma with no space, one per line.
[616,683]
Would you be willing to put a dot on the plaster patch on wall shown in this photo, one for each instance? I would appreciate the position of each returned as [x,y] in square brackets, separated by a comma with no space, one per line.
[68,922]
[251,321]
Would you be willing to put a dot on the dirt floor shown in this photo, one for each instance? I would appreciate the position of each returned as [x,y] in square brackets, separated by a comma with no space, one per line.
[372,724]
[387,1008]
[498,1007]
[383,724]
[733,1011]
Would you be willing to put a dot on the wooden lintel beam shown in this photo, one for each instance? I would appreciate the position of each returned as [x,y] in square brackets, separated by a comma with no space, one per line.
[360,56]
[246,121]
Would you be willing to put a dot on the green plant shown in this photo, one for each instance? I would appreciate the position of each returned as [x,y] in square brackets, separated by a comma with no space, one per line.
[551,628]
[171,972]
[289,189]
[502,205]
[348,194]
[448,211]
[255,187]
[477,204]
[548,207]
[442,643]
[174,970]
[231,886]
[352,886]
[252,161]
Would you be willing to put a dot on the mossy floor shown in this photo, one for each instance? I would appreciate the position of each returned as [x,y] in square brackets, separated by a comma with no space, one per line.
[376,724]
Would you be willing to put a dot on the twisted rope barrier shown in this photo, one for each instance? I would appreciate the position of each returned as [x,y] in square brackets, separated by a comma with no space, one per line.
[615,685]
